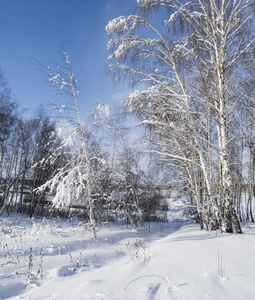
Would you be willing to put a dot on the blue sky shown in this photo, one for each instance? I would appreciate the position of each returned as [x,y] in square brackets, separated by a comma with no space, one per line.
[38,28]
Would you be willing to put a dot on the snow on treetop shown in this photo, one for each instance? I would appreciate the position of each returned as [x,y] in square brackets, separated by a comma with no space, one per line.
[137,97]
[121,24]
[123,49]
[102,110]
[58,80]
[147,3]
[150,3]
[66,55]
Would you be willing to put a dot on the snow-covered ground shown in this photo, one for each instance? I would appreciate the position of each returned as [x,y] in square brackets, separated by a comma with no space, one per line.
[57,259]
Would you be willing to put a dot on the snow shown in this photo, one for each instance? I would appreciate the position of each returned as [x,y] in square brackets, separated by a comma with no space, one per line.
[122,23]
[172,17]
[147,3]
[102,110]
[117,24]
[197,14]
[169,262]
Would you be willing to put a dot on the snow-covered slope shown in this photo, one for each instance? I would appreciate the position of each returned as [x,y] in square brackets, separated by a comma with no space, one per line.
[57,259]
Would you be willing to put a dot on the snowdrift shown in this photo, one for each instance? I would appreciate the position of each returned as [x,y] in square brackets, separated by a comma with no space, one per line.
[57,259]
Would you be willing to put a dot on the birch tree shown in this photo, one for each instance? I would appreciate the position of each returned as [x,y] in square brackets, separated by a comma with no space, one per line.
[175,67]
[217,42]
[74,180]
[165,106]
[247,123]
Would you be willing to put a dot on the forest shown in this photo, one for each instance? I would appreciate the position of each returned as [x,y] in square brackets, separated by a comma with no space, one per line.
[193,98]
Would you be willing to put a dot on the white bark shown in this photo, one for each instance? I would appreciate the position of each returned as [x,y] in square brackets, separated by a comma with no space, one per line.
[211,50]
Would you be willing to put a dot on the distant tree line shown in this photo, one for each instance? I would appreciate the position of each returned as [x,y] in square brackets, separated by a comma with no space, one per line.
[23,142]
